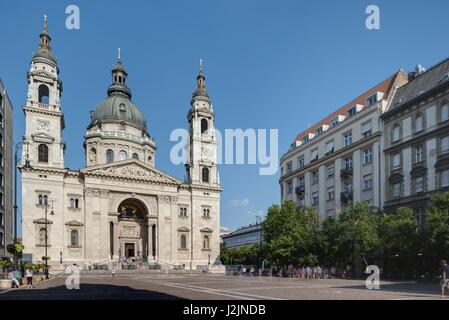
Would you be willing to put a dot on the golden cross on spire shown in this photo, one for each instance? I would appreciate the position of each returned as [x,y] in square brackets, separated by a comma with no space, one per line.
[118,59]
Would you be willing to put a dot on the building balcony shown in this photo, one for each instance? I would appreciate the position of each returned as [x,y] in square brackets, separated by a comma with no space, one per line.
[346,197]
[300,190]
[346,173]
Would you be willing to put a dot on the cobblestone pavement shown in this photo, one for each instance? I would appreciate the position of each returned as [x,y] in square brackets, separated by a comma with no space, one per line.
[220,287]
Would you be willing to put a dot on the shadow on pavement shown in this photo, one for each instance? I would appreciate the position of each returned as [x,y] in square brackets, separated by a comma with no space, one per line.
[87,291]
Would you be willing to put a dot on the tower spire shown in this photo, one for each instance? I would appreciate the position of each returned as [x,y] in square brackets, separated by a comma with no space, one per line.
[201,84]
[118,56]
[45,23]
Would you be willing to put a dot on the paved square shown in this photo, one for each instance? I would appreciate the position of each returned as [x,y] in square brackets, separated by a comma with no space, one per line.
[220,287]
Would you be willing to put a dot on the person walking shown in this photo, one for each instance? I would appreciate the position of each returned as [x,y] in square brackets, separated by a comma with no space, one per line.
[444,277]
[29,276]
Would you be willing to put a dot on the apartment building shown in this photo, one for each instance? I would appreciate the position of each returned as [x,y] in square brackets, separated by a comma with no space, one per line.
[6,172]
[417,140]
[337,161]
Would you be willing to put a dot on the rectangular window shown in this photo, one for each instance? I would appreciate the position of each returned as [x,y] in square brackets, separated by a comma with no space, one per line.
[367,182]
[334,122]
[396,133]
[419,154]
[315,177]
[330,171]
[301,162]
[366,129]
[444,145]
[300,182]
[315,199]
[348,163]
[329,147]
[444,177]
[347,139]
[289,167]
[367,156]
[289,187]
[330,213]
[419,184]
[314,155]
[418,123]
[420,216]
[396,161]
[352,111]
[330,194]
[371,100]
[444,113]
[397,190]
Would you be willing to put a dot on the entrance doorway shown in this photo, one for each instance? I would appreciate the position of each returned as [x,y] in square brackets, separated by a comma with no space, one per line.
[129,250]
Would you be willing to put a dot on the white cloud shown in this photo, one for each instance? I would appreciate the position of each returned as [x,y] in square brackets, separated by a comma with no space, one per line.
[238,202]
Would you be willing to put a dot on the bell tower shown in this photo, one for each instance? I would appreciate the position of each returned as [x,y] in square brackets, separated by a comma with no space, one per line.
[202,164]
[43,145]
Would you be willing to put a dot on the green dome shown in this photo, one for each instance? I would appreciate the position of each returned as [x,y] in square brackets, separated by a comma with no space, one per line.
[117,108]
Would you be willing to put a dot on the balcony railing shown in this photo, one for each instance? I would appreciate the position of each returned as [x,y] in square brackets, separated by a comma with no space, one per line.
[346,173]
[346,197]
[44,106]
[299,190]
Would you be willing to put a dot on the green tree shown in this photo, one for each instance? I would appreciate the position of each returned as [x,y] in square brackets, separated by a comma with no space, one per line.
[438,220]
[290,234]
[399,231]
[359,226]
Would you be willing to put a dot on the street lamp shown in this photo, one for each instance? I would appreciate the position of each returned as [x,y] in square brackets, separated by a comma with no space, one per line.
[46,235]
[17,159]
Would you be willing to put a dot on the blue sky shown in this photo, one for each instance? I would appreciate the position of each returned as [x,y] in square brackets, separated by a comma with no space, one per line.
[268,64]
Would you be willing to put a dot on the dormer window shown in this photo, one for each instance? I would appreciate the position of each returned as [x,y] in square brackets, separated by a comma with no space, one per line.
[122,107]
[352,111]
[334,121]
[305,139]
[371,100]
[319,131]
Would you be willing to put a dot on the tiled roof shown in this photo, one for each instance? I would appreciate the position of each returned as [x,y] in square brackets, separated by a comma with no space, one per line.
[385,87]
[421,84]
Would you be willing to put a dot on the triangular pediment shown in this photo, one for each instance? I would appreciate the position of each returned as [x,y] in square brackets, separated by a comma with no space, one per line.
[42,136]
[131,169]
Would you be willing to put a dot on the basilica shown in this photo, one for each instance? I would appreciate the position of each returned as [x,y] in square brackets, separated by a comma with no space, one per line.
[119,205]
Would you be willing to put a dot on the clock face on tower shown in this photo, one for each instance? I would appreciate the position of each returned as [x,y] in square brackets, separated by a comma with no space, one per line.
[43,125]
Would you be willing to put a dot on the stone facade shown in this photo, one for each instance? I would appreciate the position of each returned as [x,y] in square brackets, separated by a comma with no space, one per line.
[417,141]
[119,205]
[339,160]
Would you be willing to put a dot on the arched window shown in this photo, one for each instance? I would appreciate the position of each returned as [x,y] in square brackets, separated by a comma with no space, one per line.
[122,155]
[42,236]
[42,151]
[418,123]
[74,238]
[76,203]
[109,156]
[183,240]
[120,79]
[206,242]
[135,156]
[43,94]
[41,201]
[204,125]
[72,203]
[45,200]
[205,175]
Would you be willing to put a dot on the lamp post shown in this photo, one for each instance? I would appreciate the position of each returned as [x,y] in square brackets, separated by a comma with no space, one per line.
[46,236]
[17,159]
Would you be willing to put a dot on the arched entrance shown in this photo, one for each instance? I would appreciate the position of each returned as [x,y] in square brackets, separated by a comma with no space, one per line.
[132,230]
